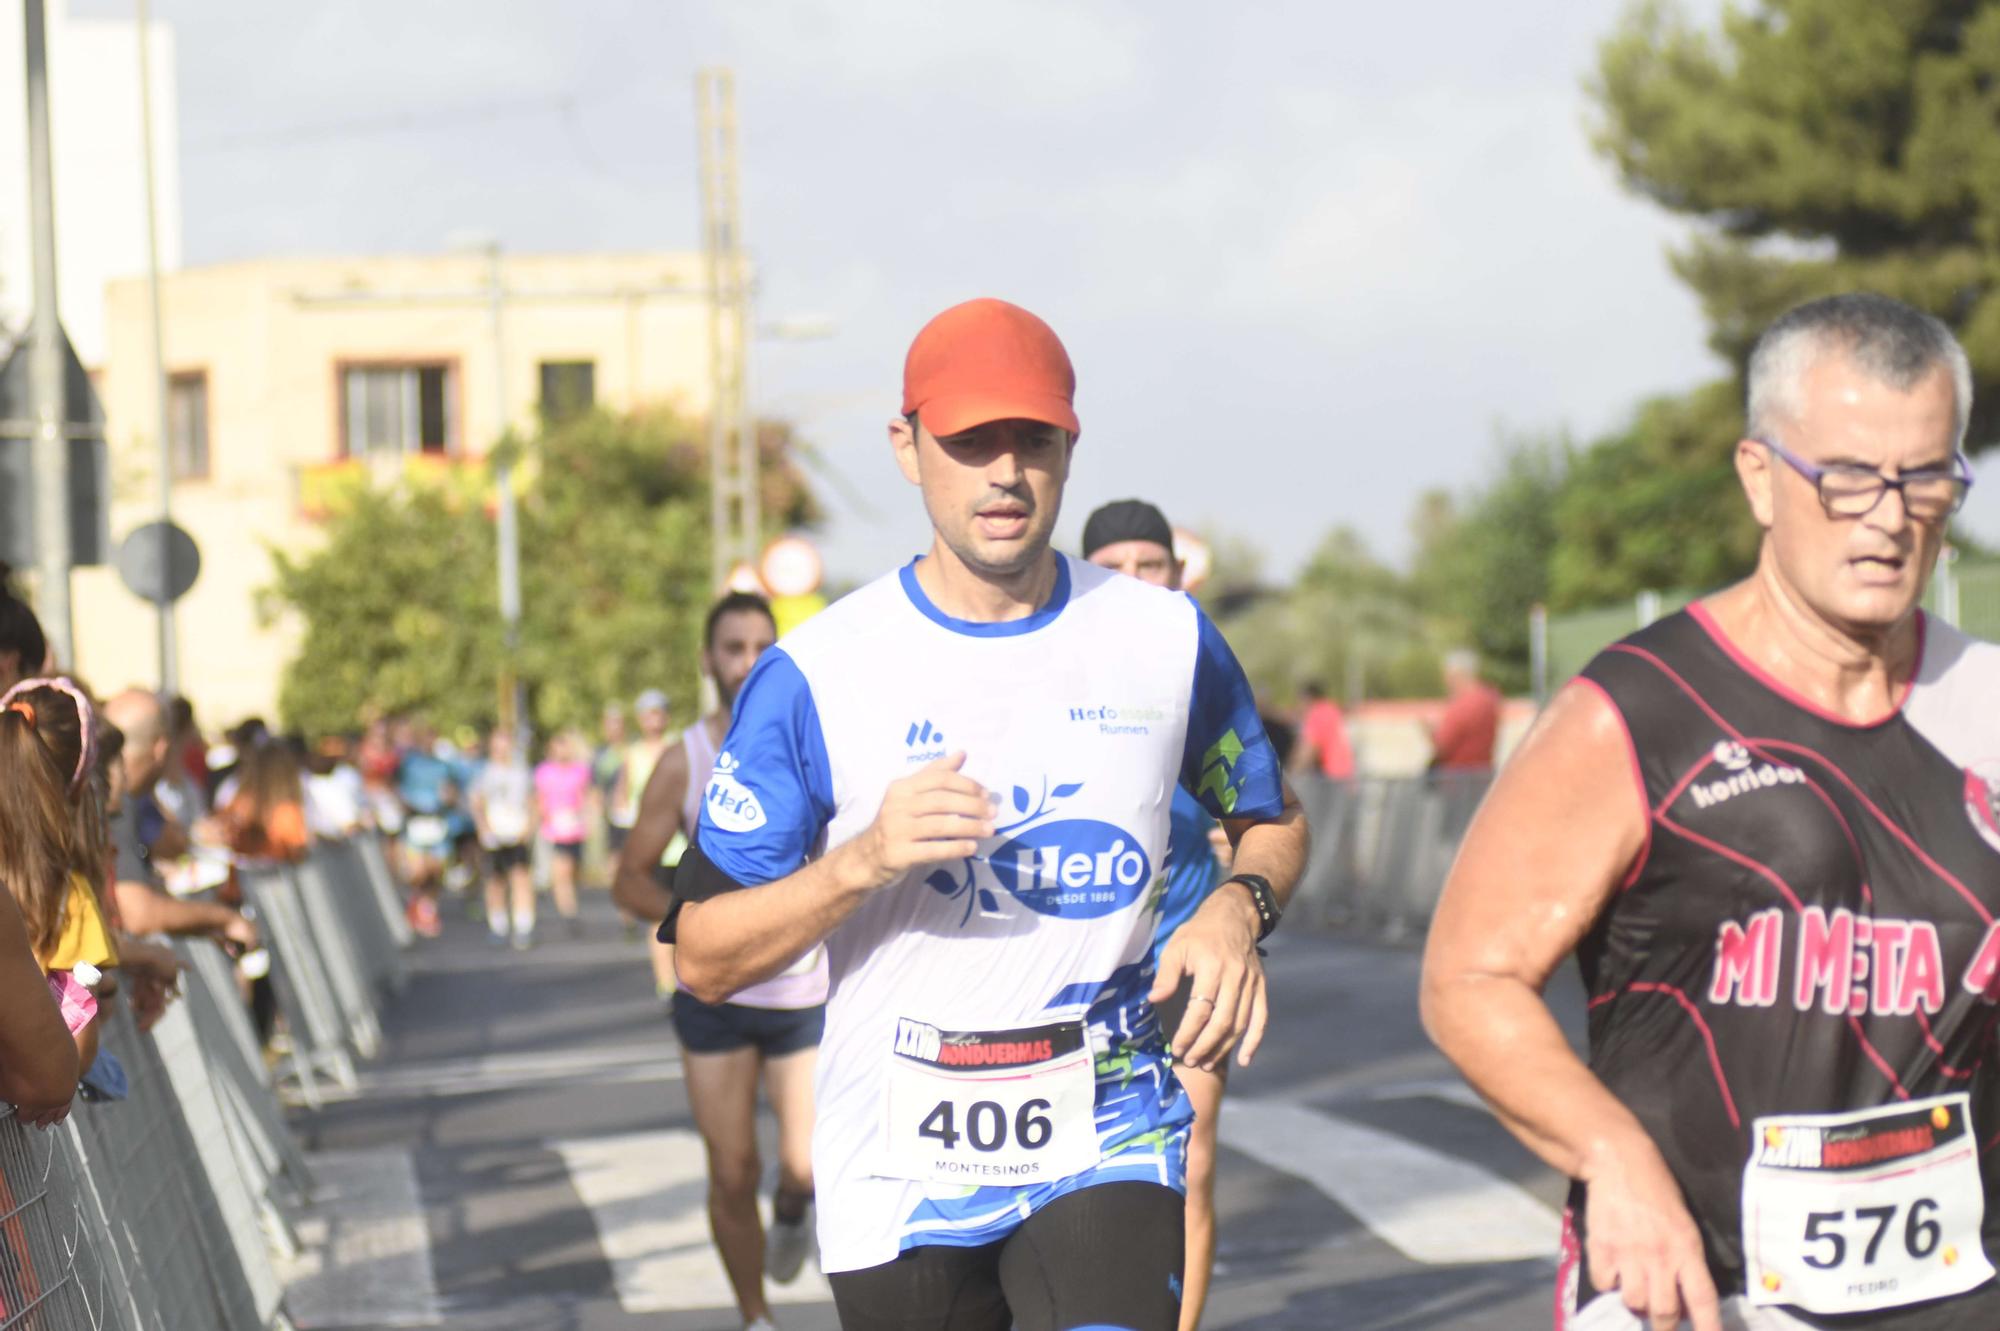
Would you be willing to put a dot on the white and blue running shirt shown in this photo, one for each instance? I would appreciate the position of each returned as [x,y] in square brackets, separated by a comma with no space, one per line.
[1082,718]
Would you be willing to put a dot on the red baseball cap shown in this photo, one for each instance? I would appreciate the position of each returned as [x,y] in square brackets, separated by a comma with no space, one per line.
[987,360]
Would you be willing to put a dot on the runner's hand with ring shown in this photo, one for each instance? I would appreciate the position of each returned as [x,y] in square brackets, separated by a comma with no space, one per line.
[1641,1240]
[936,813]
[1217,950]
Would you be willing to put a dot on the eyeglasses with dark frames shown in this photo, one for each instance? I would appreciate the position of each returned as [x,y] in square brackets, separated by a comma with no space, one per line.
[1850,491]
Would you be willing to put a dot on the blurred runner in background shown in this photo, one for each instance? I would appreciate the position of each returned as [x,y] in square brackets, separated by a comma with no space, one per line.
[1134,538]
[772,1028]
[503,809]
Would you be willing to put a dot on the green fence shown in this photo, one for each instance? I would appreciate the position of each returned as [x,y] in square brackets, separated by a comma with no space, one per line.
[1967,592]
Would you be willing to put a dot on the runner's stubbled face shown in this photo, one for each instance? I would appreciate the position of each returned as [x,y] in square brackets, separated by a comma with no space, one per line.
[992,492]
[740,638]
[1148,561]
[1863,573]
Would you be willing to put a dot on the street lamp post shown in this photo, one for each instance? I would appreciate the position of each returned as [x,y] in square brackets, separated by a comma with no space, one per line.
[170,668]
[513,717]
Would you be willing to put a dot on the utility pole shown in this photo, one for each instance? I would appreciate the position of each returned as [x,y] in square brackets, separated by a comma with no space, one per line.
[734,520]
[512,711]
[46,390]
[170,664]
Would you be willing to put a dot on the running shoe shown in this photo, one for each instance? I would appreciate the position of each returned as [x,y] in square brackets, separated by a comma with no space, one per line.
[423,916]
[761,1324]
[786,1245]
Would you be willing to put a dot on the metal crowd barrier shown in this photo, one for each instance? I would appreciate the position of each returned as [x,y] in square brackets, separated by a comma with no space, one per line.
[1381,847]
[179,1260]
[58,1268]
[164,1210]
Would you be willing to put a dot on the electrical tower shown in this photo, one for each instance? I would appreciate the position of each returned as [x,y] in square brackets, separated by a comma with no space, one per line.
[734,515]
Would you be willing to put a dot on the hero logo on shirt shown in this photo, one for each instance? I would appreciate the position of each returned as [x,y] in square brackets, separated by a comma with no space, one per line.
[1074,868]
[1982,800]
[731,805]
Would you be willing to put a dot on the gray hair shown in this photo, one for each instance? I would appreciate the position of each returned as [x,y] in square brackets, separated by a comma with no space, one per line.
[1896,343]
[1462,661]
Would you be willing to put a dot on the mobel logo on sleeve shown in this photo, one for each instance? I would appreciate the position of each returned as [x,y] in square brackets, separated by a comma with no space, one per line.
[989,1107]
[1844,1213]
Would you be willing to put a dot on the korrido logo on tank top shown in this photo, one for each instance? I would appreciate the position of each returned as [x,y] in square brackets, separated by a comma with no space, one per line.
[1982,799]
[1073,868]
[1744,775]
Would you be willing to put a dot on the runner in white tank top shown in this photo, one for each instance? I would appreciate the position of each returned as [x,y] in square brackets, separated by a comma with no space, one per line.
[772,1027]
[959,777]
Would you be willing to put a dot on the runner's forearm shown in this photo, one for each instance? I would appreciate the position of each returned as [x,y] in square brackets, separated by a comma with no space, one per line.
[732,941]
[1275,850]
[149,912]
[634,888]
[1503,1039]
[38,1060]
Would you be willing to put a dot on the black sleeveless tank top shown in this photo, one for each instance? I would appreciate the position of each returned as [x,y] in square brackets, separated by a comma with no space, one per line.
[1810,926]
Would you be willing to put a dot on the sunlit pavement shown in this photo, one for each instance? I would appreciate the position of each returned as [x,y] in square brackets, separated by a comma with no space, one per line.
[529,1114]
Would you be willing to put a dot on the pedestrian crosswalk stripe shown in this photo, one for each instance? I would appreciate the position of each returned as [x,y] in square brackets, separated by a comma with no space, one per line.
[647,1194]
[366,1251]
[1432,1207]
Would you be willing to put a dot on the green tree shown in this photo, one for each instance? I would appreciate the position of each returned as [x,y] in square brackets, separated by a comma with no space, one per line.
[1484,562]
[1347,619]
[1655,507]
[1824,146]
[399,606]
[392,619]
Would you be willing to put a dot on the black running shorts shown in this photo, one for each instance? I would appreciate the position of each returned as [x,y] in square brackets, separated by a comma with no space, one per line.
[721,1028]
[1102,1258]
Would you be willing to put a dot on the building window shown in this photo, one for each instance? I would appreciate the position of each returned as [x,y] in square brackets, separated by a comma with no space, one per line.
[395,409]
[569,388]
[187,424]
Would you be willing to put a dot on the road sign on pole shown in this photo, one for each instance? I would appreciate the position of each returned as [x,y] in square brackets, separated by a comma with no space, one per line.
[159,562]
[89,495]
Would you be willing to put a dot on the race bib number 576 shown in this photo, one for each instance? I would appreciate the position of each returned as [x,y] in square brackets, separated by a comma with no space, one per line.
[990,1107]
[1873,1209]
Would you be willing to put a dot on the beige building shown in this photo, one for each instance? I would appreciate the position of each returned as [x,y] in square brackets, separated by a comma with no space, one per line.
[290,377]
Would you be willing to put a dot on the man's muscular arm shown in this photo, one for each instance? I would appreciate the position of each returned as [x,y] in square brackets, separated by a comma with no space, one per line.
[633,885]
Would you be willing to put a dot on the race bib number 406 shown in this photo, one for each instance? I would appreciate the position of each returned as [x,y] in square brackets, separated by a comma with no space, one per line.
[990,1107]
[1873,1209]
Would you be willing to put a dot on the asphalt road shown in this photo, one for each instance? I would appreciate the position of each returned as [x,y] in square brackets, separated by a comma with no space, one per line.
[522,1156]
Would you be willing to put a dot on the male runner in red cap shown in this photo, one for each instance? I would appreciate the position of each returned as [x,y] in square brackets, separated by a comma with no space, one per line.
[953,778]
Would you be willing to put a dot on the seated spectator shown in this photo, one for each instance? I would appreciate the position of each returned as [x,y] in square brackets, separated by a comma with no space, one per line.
[140,891]
[24,649]
[336,797]
[264,817]
[148,973]
[1322,744]
[1463,738]
[39,1062]
[35,852]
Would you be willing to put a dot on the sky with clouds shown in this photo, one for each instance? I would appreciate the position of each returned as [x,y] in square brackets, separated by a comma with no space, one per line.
[1310,259]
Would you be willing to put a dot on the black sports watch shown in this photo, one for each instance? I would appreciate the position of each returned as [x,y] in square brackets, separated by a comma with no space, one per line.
[1263,898]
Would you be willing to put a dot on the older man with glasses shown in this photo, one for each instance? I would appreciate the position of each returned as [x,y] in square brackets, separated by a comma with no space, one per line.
[1765,826]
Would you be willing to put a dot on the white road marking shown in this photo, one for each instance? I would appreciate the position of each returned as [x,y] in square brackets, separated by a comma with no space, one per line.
[1452,1091]
[609,1065]
[1433,1208]
[365,1256]
[647,1193]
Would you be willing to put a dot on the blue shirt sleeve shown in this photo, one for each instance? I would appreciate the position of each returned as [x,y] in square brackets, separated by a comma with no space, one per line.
[1228,764]
[771,795]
